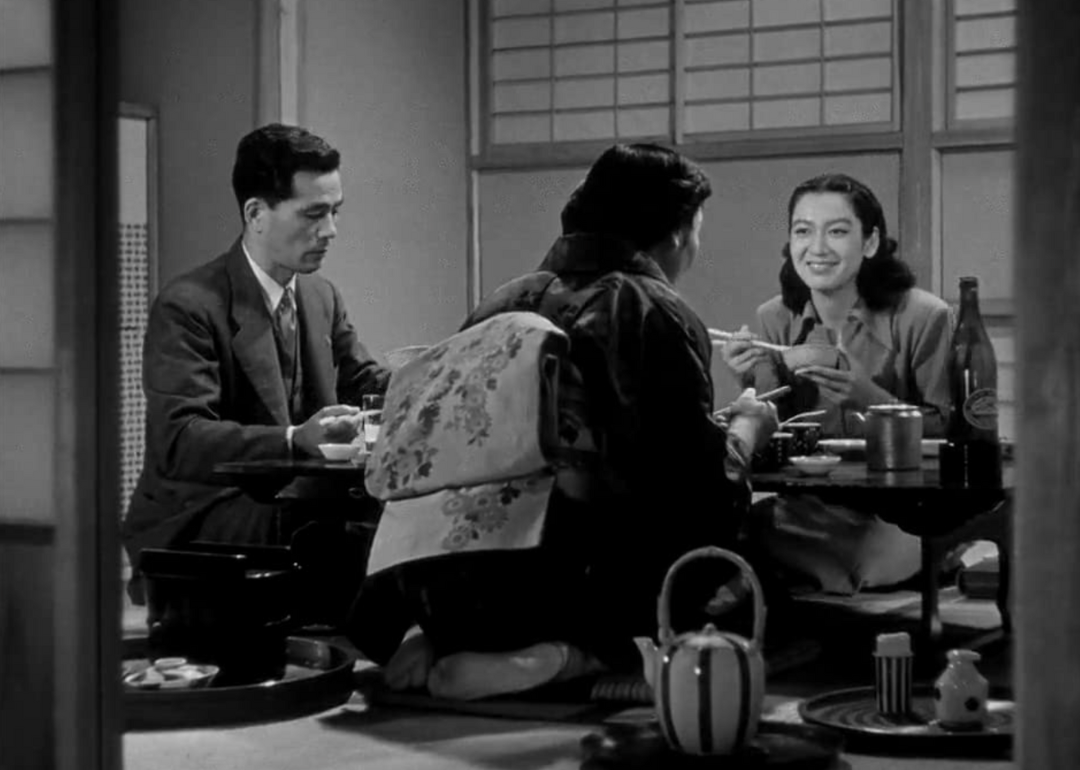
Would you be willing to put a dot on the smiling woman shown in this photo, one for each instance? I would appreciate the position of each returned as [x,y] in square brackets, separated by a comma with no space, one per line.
[828,244]
[844,287]
[844,292]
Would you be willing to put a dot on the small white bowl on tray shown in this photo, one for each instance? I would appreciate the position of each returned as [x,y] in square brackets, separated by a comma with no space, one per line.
[814,465]
[171,674]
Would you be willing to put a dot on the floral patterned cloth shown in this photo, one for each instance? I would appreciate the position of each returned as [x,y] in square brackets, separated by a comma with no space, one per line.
[478,407]
[500,515]
[471,438]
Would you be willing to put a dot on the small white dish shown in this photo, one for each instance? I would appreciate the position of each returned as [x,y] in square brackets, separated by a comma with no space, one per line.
[814,465]
[340,452]
[171,676]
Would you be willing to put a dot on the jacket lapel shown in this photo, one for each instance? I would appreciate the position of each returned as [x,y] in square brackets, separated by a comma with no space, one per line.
[316,347]
[253,344]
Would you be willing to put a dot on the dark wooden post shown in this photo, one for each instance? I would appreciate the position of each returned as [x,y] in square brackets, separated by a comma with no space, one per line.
[1047,273]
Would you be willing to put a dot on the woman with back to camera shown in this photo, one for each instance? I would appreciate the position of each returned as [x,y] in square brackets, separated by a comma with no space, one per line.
[842,284]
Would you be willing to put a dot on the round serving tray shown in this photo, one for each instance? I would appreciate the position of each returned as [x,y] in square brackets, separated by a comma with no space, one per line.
[318,676]
[854,713]
[777,744]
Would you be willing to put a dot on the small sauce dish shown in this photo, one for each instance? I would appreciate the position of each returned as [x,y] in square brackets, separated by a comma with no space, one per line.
[814,465]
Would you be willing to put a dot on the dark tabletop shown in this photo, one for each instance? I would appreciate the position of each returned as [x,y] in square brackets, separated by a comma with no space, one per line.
[853,474]
[244,469]
[313,478]
[916,501]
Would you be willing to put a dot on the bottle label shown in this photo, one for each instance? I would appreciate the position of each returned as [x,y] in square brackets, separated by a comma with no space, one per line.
[980,409]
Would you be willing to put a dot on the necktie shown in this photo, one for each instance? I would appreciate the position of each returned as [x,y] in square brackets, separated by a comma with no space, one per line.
[285,318]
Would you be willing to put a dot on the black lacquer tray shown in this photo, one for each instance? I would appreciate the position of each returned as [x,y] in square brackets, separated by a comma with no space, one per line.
[641,746]
[318,676]
[854,713]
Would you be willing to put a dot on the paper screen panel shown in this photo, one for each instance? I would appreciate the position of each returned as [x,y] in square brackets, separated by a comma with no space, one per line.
[27,453]
[579,70]
[25,33]
[811,63]
[26,149]
[1003,337]
[27,295]
[977,224]
[983,42]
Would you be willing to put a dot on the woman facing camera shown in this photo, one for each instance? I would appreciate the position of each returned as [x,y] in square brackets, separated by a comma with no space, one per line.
[842,284]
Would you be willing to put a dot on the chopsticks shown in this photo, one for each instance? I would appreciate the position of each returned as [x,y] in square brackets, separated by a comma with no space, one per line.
[803,416]
[718,336]
[768,395]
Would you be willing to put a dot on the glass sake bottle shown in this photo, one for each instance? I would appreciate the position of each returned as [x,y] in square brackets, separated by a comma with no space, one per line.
[971,455]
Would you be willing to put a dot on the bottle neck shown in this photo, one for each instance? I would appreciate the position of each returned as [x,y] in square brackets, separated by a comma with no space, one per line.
[969,301]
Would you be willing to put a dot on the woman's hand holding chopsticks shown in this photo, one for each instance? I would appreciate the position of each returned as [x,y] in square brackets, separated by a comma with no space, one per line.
[741,350]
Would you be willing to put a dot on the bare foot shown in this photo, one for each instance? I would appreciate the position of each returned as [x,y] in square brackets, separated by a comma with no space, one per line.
[410,666]
[471,675]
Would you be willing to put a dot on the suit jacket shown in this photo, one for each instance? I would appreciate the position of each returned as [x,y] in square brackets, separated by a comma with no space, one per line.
[215,392]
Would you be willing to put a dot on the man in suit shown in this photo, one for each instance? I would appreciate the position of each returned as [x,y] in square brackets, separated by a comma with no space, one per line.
[250,356]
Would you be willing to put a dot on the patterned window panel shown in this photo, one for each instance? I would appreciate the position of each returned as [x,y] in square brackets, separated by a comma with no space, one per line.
[134,308]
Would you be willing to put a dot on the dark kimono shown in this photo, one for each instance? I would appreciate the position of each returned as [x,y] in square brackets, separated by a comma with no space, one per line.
[666,481]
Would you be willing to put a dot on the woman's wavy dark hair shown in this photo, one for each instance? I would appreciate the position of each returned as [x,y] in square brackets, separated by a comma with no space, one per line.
[640,193]
[883,279]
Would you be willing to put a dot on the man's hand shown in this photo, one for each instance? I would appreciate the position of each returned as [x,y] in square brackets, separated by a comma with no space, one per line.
[752,420]
[337,424]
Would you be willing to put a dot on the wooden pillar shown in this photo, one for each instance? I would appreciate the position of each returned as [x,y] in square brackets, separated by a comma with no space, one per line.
[1047,278]
[917,157]
[86,571]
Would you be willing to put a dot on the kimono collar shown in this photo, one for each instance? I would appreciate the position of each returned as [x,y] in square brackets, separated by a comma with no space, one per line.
[597,253]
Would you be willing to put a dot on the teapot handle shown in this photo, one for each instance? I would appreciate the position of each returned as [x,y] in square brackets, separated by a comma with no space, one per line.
[666,635]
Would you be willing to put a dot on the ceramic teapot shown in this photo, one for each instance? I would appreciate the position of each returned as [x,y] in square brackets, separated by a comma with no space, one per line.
[707,685]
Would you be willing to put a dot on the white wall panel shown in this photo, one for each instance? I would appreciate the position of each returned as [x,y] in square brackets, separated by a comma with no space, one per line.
[26,147]
[27,295]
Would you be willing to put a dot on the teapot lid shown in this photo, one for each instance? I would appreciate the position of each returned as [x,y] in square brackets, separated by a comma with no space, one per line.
[963,656]
[893,408]
[706,637]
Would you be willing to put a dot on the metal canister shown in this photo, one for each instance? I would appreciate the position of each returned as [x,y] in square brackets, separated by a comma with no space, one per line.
[894,437]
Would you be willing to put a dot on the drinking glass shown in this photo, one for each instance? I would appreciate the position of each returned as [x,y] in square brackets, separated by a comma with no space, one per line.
[371,408]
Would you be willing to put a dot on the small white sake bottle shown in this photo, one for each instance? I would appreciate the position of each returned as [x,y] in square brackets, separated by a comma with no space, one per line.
[960,693]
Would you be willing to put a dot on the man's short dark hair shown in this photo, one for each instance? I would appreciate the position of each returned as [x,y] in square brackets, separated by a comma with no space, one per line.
[640,193]
[268,157]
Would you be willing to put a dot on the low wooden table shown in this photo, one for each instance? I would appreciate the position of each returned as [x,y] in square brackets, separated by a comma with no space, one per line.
[917,501]
[331,492]
[266,480]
